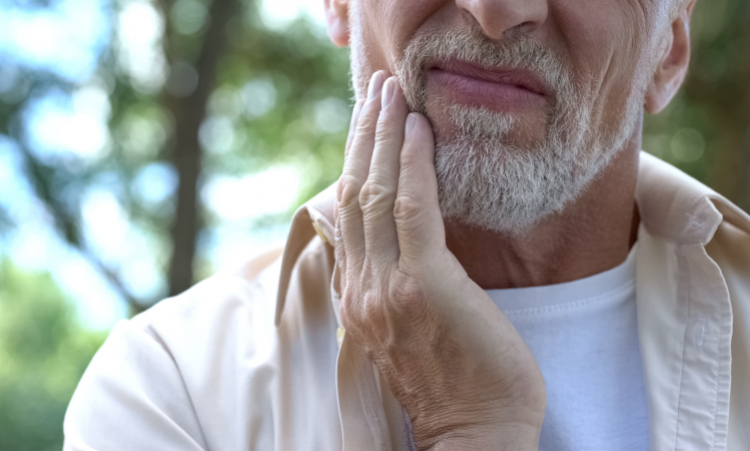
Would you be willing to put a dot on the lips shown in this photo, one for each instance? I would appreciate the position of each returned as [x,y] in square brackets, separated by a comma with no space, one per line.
[497,88]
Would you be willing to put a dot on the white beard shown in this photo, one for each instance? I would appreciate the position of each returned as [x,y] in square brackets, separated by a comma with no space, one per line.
[484,179]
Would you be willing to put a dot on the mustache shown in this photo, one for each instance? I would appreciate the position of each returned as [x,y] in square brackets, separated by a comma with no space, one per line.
[516,51]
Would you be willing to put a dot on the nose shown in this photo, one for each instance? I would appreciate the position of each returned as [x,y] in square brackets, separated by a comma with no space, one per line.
[497,17]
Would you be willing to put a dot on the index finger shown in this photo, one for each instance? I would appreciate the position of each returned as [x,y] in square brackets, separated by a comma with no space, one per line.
[353,126]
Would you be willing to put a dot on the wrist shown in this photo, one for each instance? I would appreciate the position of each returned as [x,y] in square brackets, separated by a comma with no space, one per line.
[515,437]
[497,427]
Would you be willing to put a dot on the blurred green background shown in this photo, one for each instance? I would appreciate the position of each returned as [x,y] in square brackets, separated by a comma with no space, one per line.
[145,145]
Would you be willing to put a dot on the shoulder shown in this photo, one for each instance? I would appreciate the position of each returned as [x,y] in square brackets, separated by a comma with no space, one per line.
[211,319]
[730,250]
[680,210]
[159,379]
[245,295]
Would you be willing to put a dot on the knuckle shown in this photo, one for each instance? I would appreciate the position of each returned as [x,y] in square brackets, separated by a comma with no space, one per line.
[362,312]
[407,290]
[409,296]
[371,305]
[405,208]
[348,190]
[374,194]
[373,312]
[368,121]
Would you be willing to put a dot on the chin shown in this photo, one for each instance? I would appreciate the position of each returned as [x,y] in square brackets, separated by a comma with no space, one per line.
[488,128]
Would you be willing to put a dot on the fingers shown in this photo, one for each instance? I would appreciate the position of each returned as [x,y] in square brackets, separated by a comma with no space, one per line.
[356,169]
[388,209]
[340,254]
[353,126]
[417,215]
[379,191]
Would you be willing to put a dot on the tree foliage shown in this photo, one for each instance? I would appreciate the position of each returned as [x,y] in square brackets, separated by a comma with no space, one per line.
[240,96]
[43,353]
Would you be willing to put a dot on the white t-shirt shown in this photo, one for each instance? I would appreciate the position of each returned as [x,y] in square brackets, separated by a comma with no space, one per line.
[584,337]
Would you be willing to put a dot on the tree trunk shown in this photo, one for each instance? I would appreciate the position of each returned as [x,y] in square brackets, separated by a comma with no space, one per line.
[189,113]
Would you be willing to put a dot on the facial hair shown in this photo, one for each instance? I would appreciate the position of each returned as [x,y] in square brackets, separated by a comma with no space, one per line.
[486,179]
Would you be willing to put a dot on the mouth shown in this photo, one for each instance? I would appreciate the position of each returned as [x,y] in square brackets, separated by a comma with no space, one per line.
[496,88]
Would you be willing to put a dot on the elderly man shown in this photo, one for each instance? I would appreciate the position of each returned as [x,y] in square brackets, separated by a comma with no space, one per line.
[498,268]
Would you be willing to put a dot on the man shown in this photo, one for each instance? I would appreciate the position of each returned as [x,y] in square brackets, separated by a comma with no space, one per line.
[502,267]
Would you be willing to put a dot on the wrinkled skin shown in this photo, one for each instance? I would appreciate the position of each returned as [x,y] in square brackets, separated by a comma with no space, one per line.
[410,303]
[451,358]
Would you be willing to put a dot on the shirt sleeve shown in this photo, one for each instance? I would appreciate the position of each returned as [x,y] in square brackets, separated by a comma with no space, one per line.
[132,397]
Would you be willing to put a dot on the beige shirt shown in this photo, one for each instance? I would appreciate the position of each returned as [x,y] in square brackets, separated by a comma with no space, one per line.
[256,360]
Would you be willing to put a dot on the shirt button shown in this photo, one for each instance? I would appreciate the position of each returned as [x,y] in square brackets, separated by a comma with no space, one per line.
[320,233]
[340,332]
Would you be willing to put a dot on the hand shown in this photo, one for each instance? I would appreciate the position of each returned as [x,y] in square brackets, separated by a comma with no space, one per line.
[451,358]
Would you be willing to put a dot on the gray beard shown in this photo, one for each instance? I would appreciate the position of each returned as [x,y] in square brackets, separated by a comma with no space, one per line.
[484,179]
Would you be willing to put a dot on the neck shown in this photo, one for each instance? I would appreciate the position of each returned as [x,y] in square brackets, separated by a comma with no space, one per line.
[591,235]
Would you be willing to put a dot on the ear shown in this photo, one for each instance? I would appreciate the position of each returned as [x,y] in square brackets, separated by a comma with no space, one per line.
[673,63]
[337,21]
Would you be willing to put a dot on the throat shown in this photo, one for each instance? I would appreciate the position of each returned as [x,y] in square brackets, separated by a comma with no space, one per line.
[591,235]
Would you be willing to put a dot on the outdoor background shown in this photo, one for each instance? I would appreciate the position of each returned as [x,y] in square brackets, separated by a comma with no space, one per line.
[145,145]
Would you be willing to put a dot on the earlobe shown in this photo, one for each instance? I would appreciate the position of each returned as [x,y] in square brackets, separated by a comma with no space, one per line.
[337,21]
[672,64]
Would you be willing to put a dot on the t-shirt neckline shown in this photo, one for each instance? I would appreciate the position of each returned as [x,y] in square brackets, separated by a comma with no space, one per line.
[588,288]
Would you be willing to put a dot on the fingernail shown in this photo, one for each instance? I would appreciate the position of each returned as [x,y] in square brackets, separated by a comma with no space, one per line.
[376,85]
[411,123]
[389,89]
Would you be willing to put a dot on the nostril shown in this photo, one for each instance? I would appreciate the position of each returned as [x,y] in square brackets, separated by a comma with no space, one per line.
[498,19]
[524,28]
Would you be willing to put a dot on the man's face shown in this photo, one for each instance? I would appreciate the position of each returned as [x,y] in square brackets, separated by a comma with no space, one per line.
[528,98]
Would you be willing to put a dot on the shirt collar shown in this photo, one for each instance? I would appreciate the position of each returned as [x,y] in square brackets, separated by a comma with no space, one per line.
[314,217]
[672,205]
[678,208]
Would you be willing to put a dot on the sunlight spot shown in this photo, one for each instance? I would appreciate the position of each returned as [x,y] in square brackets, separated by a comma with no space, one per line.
[244,198]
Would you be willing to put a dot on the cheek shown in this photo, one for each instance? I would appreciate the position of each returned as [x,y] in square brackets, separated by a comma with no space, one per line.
[605,40]
[388,26]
